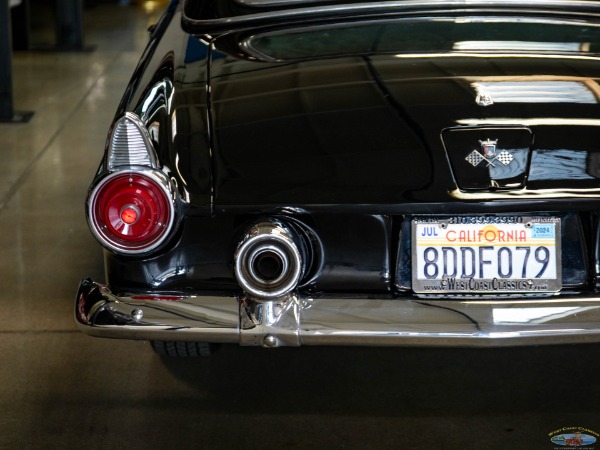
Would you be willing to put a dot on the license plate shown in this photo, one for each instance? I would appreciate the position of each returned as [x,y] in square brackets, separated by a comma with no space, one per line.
[486,255]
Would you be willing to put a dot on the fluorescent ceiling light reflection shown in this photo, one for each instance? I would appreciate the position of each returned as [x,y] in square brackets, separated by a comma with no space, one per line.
[522,46]
[499,55]
[536,91]
[530,315]
[530,122]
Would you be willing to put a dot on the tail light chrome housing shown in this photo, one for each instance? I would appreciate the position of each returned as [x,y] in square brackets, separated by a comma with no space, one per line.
[131,208]
[132,212]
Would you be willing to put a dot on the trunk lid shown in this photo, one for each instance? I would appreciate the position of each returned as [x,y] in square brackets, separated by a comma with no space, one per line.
[385,127]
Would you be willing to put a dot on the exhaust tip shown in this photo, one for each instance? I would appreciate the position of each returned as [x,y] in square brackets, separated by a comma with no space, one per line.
[268,265]
[268,262]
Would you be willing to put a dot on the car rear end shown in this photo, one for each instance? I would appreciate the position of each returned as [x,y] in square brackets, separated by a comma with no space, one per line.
[408,175]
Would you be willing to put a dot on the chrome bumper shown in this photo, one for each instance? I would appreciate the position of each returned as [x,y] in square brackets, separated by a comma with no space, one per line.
[296,321]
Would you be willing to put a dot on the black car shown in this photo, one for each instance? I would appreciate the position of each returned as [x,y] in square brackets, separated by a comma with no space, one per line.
[287,172]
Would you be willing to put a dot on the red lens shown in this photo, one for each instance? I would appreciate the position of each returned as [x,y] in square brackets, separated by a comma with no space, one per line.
[131,211]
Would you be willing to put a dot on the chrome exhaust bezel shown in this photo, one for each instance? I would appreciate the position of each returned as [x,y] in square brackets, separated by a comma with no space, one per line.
[278,239]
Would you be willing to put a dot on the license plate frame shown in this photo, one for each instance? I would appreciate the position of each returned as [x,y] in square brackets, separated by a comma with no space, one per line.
[453,270]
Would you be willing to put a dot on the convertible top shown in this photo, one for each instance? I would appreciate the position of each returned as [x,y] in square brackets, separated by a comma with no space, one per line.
[214,16]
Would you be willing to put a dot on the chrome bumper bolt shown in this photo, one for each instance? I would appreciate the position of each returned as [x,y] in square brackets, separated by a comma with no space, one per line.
[270,341]
[137,314]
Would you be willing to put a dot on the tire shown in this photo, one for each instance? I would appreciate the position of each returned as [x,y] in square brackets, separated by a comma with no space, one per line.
[178,349]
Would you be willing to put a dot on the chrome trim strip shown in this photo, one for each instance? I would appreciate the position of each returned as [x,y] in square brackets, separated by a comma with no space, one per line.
[525,193]
[414,321]
[284,3]
[270,3]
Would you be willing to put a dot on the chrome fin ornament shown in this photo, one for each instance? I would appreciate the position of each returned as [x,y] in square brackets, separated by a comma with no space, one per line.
[130,145]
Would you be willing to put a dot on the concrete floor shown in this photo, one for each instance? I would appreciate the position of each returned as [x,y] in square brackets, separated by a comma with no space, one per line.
[61,389]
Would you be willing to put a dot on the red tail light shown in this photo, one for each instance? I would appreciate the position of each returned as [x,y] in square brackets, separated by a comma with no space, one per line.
[131,212]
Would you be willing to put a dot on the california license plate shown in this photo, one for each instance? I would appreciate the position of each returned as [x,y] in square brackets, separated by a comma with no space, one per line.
[498,254]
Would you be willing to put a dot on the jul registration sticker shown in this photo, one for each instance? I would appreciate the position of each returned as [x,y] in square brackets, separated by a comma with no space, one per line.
[486,254]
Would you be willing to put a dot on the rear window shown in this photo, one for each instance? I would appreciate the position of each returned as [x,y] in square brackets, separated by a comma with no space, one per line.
[413,36]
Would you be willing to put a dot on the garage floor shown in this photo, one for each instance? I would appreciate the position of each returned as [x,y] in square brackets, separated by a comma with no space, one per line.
[61,389]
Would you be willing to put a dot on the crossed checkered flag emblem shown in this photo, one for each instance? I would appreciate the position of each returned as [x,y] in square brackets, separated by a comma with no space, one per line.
[488,155]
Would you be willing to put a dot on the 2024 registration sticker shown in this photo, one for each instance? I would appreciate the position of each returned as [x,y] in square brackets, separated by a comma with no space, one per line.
[486,255]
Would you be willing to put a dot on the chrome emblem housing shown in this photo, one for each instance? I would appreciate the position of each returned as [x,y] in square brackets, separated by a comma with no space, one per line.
[488,158]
